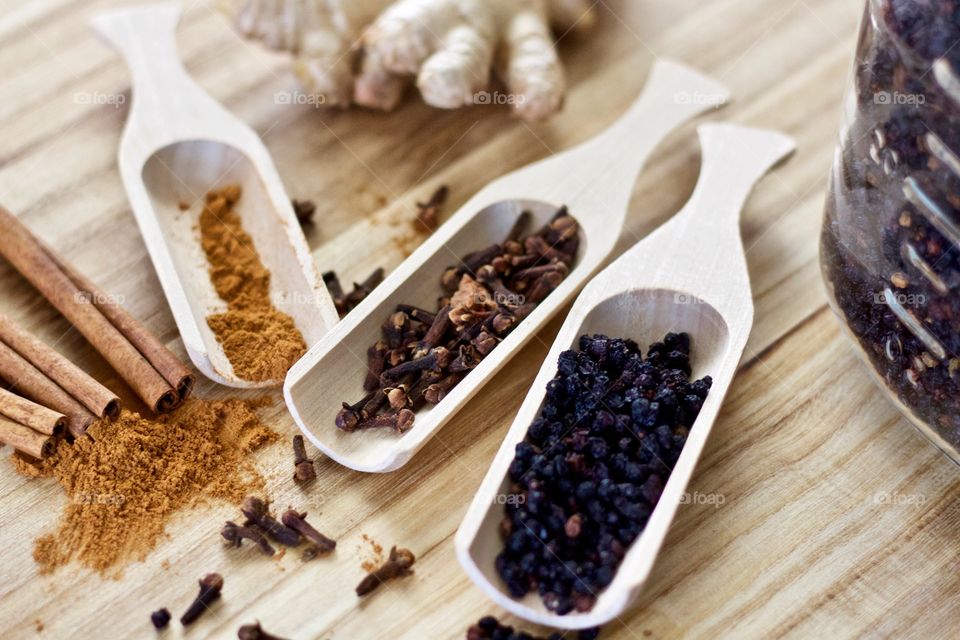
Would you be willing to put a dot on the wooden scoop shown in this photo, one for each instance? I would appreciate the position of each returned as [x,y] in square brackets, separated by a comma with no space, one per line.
[178,144]
[594,179]
[689,275]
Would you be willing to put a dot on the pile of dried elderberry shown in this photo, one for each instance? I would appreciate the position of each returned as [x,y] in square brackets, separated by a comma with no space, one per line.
[593,465]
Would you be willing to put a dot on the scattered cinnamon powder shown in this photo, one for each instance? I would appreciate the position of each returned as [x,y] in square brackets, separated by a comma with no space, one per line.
[126,481]
[260,341]
[377,549]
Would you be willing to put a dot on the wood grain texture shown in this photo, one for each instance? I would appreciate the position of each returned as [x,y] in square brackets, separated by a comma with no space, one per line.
[837,520]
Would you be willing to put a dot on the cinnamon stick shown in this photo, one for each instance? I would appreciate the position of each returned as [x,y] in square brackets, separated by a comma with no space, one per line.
[25,439]
[28,257]
[168,365]
[94,396]
[32,383]
[30,414]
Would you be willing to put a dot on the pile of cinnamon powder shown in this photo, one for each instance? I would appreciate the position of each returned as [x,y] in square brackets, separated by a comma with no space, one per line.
[260,341]
[126,481]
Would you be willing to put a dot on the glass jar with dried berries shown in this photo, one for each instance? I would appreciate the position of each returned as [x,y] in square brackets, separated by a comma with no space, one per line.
[890,246]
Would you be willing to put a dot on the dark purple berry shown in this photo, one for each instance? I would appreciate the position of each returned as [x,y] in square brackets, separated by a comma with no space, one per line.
[593,467]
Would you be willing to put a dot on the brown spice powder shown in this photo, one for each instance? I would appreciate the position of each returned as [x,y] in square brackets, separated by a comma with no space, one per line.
[260,341]
[377,549]
[126,482]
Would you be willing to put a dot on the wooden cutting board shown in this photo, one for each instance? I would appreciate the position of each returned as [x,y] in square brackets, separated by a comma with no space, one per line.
[816,510]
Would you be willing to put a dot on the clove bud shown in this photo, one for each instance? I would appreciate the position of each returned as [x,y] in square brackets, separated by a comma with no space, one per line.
[304,209]
[298,522]
[304,470]
[346,302]
[255,632]
[427,212]
[235,534]
[423,354]
[256,512]
[210,587]
[398,564]
[399,422]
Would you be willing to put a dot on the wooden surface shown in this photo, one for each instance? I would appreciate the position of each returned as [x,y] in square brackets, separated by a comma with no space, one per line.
[837,519]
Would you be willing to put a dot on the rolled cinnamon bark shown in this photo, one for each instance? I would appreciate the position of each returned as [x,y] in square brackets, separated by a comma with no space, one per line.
[32,383]
[163,360]
[28,257]
[30,414]
[25,439]
[94,396]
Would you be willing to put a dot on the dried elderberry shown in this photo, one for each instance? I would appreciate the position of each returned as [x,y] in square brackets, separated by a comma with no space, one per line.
[587,477]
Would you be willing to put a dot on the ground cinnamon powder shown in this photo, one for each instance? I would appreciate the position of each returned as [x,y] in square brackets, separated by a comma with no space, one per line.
[126,481]
[260,341]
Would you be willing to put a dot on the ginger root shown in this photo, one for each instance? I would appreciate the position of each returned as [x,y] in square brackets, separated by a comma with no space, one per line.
[366,52]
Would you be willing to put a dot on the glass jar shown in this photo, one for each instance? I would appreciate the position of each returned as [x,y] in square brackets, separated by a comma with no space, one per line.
[890,245]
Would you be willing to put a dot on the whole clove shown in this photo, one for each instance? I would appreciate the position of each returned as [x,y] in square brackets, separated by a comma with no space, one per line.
[428,212]
[304,209]
[351,414]
[210,587]
[363,289]
[347,302]
[291,531]
[298,521]
[416,313]
[423,355]
[255,632]
[334,288]
[398,564]
[376,359]
[160,618]
[399,422]
[376,400]
[304,471]
[235,534]
[256,512]
[437,360]
[436,392]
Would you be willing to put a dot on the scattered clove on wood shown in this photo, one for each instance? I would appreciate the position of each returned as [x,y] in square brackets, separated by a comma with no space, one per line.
[255,632]
[346,302]
[428,212]
[398,564]
[235,534]
[160,618]
[210,587]
[298,522]
[304,210]
[257,514]
[290,531]
[423,355]
[304,471]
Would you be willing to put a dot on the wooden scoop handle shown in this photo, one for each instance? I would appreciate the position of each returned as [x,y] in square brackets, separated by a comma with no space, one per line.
[168,106]
[734,158]
[698,253]
[146,37]
[597,177]
[673,94]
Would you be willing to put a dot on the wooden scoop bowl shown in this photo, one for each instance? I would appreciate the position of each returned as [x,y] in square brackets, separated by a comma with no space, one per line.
[689,275]
[178,144]
[594,179]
